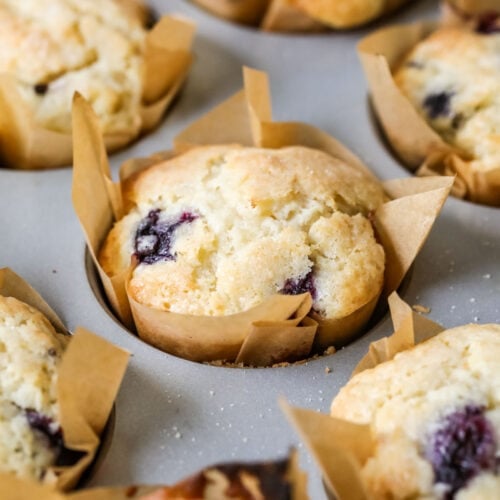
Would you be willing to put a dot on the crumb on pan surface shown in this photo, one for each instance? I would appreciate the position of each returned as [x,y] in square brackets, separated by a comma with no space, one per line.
[434,411]
[453,80]
[54,47]
[30,351]
[219,229]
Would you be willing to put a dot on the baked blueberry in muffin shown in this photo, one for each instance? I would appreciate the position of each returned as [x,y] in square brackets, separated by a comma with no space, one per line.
[463,446]
[219,229]
[30,351]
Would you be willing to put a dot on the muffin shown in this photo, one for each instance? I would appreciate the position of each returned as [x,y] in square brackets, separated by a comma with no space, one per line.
[238,481]
[347,13]
[452,79]
[52,48]
[284,222]
[285,15]
[31,350]
[473,7]
[434,416]
[220,229]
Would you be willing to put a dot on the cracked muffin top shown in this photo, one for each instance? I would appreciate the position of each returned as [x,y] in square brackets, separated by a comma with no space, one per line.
[219,229]
[54,47]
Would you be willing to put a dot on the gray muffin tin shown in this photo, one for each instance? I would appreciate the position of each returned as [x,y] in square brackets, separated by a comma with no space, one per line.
[174,416]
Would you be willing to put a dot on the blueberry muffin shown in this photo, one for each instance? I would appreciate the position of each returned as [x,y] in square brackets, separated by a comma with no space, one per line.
[54,47]
[219,229]
[434,411]
[453,80]
[347,13]
[263,481]
[30,351]
[333,13]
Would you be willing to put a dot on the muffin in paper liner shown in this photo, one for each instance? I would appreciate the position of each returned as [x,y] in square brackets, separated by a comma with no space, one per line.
[301,15]
[419,147]
[167,56]
[483,15]
[267,480]
[341,447]
[473,7]
[282,328]
[89,376]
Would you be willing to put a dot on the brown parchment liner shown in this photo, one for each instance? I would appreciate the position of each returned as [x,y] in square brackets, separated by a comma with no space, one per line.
[240,11]
[276,330]
[26,490]
[89,376]
[167,56]
[340,447]
[414,141]
[296,15]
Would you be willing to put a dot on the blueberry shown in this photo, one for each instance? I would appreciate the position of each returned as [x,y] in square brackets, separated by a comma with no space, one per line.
[489,23]
[154,238]
[438,104]
[41,88]
[462,447]
[46,425]
[303,284]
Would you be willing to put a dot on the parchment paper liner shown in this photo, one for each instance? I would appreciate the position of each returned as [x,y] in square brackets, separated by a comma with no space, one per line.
[251,336]
[241,11]
[415,142]
[89,376]
[26,490]
[341,447]
[27,145]
[285,15]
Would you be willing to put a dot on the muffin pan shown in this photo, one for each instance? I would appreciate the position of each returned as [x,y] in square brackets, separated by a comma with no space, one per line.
[175,416]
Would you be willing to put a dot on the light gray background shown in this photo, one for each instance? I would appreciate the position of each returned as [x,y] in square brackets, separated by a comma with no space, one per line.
[174,416]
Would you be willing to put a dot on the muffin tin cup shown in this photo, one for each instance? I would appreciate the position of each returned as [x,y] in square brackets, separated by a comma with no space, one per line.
[167,57]
[89,376]
[283,328]
[341,447]
[422,150]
